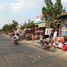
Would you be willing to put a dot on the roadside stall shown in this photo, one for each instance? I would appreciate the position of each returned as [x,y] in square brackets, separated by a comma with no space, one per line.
[40,30]
[61,40]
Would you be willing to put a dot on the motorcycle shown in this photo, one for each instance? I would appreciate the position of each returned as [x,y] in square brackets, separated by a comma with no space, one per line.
[47,45]
[28,37]
[15,40]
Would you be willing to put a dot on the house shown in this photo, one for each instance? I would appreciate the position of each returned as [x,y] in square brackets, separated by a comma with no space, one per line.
[63,28]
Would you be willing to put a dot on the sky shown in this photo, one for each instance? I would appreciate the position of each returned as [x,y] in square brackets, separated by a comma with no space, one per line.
[21,10]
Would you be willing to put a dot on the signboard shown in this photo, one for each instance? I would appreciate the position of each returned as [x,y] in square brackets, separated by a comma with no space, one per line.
[41,25]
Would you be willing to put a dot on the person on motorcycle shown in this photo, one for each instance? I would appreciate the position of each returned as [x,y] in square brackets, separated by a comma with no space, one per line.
[16,33]
[16,36]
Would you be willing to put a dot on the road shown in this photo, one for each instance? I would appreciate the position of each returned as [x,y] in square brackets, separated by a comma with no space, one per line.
[25,55]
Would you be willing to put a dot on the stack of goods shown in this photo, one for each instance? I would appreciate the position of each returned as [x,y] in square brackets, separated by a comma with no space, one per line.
[59,41]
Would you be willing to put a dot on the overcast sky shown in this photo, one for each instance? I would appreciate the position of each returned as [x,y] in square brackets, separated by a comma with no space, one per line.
[21,10]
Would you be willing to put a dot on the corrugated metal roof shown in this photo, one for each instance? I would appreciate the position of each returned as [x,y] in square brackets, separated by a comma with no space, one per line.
[63,13]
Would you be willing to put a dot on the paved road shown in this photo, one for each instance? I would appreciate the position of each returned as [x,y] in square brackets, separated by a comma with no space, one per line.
[26,56]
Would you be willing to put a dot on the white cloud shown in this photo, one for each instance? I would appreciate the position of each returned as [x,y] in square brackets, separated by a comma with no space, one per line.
[19,5]
[31,3]
[64,1]
[16,6]
[2,21]
[1,7]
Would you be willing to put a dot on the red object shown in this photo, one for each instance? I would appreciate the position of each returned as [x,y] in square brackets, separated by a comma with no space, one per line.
[64,47]
[51,44]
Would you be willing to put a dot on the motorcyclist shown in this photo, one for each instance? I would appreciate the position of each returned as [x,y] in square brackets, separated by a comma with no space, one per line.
[18,32]
[16,36]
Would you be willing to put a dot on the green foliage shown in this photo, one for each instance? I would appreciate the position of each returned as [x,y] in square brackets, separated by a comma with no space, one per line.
[0,30]
[10,27]
[6,28]
[14,24]
[28,25]
[51,11]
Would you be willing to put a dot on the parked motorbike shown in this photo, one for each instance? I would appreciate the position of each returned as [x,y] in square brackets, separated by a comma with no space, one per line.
[28,37]
[47,45]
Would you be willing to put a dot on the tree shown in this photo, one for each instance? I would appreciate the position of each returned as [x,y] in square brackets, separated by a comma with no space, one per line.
[6,28]
[10,27]
[48,10]
[14,24]
[58,7]
[29,24]
[51,11]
